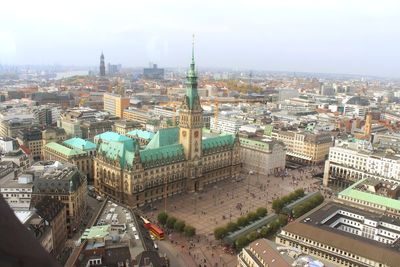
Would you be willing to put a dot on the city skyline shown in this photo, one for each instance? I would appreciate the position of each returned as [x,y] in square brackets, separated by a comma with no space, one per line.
[352,37]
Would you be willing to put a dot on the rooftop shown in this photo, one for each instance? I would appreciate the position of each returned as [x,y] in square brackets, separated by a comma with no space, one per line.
[266,253]
[314,230]
[354,192]
[57,179]
[111,136]
[24,215]
[66,151]
[80,143]
[141,134]
[94,232]
[164,137]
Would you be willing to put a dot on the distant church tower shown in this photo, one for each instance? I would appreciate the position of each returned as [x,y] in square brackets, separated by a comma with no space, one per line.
[191,116]
[102,65]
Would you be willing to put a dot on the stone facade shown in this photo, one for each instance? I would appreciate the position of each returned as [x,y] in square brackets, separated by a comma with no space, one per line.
[176,160]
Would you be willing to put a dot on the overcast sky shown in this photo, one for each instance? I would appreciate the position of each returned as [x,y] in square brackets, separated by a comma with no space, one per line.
[338,36]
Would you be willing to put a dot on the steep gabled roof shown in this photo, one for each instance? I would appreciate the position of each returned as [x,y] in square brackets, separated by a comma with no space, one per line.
[122,151]
[162,155]
[217,141]
[164,137]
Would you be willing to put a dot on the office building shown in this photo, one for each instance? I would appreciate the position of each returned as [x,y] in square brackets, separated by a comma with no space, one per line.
[137,115]
[124,126]
[53,134]
[55,214]
[92,128]
[305,147]
[71,120]
[8,144]
[20,158]
[18,192]
[349,162]
[115,104]
[153,72]
[265,157]
[31,138]
[64,182]
[76,151]
[226,124]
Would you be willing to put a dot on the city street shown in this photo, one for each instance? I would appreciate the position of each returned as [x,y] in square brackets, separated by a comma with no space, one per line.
[224,202]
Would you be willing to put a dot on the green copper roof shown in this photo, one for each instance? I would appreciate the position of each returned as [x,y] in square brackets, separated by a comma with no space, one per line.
[162,155]
[164,137]
[123,151]
[141,134]
[370,197]
[65,150]
[111,136]
[255,144]
[218,141]
[79,143]
[95,232]
[191,92]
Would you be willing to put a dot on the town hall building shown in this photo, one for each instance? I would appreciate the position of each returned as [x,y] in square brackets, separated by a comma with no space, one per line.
[176,160]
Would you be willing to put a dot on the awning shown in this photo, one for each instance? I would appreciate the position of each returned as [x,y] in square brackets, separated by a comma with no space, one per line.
[298,155]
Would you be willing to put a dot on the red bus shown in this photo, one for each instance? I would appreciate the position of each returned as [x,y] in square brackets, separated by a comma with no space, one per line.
[156,232]
[145,222]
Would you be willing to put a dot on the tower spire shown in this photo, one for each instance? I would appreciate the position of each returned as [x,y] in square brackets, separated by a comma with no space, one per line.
[191,91]
[102,65]
[193,49]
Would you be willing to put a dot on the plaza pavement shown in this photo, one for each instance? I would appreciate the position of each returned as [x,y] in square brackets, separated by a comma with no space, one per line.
[217,204]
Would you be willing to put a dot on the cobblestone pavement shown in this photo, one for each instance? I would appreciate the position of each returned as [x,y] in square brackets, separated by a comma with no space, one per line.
[225,201]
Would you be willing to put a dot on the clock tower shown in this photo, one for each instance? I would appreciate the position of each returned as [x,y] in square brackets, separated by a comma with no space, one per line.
[191,122]
[191,116]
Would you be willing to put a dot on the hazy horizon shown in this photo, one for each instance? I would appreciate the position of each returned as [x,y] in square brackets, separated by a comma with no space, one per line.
[349,37]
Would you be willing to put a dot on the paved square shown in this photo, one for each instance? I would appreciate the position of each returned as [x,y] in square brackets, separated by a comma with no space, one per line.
[217,204]
[225,201]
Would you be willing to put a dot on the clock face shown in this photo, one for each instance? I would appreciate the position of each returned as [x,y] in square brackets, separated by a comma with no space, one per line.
[196,134]
[184,133]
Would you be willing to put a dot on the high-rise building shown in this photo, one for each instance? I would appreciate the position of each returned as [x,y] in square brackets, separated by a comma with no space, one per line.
[102,65]
[153,72]
[115,104]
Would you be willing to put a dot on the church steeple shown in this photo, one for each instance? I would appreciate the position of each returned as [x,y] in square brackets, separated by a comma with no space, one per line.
[191,83]
[102,65]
